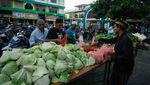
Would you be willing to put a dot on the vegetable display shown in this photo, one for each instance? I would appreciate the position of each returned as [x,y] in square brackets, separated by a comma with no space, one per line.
[43,64]
[102,54]
[105,38]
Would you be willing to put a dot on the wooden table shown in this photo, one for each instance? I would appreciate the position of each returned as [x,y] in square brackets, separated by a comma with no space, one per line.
[86,70]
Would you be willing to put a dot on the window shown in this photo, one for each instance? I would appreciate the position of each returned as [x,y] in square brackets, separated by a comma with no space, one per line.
[28,6]
[53,1]
[62,1]
[6,3]
[53,9]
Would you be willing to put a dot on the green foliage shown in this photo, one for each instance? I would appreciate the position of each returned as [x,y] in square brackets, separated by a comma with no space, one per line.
[120,9]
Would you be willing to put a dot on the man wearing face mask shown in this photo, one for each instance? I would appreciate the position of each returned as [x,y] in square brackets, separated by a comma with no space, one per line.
[39,34]
[124,60]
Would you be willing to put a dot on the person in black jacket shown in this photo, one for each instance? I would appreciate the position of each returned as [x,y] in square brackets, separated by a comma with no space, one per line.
[1,45]
[124,60]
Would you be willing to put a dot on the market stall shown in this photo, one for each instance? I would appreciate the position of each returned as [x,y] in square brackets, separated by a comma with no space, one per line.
[47,62]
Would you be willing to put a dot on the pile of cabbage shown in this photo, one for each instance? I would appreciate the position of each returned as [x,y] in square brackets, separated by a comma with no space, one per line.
[43,64]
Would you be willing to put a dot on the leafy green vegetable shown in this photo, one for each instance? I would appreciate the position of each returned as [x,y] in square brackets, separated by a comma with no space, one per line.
[4,78]
[62,54]
[30,68]
[18,77]
[72,47]
[41,62]
[78,64]
[90,61]
[27,60]
[50,64]
[43,80]
[39,72]
[64,77]
[11,55]
[60,66]
[9,68]
[38,53]
[48,56]
[8,83]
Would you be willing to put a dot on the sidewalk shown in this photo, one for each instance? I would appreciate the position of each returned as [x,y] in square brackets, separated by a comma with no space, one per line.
[141,75]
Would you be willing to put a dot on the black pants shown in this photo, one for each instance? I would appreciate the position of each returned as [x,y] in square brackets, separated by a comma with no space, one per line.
[121,72]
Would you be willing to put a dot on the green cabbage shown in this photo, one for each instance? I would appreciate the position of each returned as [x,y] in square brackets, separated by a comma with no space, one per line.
[27,60]
[38,53]
[28,80]
[50,64]
[71,61]
[41,62]
[60,66]
[30,68]
[18,77]
[64,77]
[78,64]
[22,76]
[11,55]
[48,46]
[9,68]
[43,80]
[39,72]
[90,61]
[8,83]
[4,78]
[62,54]
[23,83]
[48,56]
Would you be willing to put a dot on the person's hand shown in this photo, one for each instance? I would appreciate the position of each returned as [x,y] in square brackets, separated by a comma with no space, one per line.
[6,48]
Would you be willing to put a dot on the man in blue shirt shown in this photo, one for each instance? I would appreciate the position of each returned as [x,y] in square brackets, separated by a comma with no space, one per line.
[39,34]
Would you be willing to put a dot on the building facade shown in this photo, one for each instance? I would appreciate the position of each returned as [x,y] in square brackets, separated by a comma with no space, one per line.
[48,10]
[78,13]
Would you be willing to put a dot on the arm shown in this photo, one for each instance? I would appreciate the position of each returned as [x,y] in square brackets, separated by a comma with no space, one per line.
[124,48]
[53,40]
[32,39]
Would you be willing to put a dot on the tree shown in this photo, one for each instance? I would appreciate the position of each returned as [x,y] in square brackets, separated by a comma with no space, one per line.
[121,9]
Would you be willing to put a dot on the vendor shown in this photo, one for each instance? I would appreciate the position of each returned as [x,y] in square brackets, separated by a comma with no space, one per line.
[124,60]
[56,32]
[1,45]
[89,34]
[39,34]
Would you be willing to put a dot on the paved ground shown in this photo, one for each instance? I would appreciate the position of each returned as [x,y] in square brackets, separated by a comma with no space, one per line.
[140,76]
